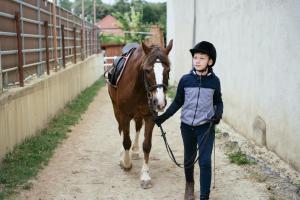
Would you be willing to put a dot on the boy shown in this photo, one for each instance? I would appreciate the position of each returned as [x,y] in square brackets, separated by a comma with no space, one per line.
[199,95]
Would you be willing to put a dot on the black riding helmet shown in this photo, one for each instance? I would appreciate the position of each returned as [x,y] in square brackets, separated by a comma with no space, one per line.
[207,48]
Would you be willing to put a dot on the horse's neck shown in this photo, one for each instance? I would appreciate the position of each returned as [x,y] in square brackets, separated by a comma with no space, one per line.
[136,80]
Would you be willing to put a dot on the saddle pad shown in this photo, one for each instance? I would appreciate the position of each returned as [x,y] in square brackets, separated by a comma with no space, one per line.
[128,47]
[115,73]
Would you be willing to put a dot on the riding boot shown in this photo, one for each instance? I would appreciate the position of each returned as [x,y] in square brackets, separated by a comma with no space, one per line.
[189,191]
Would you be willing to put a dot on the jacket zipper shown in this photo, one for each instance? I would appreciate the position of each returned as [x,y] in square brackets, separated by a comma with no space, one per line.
[197,102]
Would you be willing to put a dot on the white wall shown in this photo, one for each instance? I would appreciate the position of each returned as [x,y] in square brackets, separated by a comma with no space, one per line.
[258,60]
[180,28]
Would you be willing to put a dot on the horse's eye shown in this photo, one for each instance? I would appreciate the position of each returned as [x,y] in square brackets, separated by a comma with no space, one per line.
[148,71]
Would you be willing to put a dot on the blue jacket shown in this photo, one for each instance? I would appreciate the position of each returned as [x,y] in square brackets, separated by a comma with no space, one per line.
[200,98]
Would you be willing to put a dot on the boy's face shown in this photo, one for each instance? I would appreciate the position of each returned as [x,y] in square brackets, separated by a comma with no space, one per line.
[201,60]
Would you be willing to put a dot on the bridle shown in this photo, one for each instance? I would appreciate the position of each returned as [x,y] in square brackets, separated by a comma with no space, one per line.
[149,88]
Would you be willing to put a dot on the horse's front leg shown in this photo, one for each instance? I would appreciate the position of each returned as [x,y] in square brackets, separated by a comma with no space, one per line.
[145,176]
[135,146]
[125,161]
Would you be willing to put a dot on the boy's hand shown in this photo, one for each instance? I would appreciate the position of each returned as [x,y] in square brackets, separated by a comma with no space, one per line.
[215,119]
[159,120]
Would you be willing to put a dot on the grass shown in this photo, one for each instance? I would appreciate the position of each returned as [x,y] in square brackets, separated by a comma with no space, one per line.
[25,161]
[298,185]
[240,158]
[218,133]
[171,92]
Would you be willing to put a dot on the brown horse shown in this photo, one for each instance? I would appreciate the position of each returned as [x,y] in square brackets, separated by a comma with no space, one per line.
[148,67]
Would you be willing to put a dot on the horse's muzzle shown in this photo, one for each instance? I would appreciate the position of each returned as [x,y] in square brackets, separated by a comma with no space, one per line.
[159,106]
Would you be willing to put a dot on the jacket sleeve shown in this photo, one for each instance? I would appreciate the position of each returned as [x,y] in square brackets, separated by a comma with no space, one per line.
[218,102]
[177,103]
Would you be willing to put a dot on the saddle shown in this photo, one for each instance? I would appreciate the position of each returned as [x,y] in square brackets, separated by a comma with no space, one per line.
[119,64]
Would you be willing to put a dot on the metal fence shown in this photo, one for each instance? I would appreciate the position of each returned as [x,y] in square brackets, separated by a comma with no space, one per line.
[28,47]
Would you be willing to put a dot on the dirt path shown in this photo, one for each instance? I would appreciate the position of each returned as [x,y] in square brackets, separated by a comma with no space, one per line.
[86,166]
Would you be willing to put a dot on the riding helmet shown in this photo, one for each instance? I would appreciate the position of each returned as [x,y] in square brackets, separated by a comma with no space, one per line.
[207,48]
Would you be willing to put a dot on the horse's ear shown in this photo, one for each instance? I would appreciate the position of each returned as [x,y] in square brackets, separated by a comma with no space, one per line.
[169,47]
[146,49]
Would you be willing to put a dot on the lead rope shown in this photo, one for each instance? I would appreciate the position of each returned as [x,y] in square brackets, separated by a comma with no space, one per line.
[214,164]
[191,162]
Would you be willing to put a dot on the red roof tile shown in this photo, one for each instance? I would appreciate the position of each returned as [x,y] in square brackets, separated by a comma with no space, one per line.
[108,22]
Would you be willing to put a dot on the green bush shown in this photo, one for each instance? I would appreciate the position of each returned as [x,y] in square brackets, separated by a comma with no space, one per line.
[171,92]
[240,158]
[111,39]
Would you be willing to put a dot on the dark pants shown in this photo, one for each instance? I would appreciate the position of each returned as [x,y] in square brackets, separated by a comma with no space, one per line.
[193,136]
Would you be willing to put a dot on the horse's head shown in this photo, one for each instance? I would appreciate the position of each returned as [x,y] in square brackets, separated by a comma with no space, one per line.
[156,68]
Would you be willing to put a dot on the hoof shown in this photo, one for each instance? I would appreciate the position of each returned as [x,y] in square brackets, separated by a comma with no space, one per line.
[135,155]
[124,167]
[146,184]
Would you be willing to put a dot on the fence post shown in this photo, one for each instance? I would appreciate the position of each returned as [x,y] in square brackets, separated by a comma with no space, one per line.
[63,45]
[86,43]
[81,44]
[54,33]
[20,53]
[83,30]
[47,47]
[98,43]
[74,42]
[1,81]
[90,39]
[93,40]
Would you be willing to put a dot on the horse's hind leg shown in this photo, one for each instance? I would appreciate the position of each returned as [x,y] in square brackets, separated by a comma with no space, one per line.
[145,176]
[135,146]
[125,161]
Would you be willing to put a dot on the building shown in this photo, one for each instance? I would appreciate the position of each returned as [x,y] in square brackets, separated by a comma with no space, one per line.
[258,63]
[110,25]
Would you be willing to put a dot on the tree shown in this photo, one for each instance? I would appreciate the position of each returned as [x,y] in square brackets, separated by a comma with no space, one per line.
[121,6]
[147,13]
[66,4]
[138,5]
[155,13]
[102,9]
[132,22]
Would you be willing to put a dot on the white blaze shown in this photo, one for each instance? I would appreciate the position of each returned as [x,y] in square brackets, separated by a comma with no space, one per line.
[158,71]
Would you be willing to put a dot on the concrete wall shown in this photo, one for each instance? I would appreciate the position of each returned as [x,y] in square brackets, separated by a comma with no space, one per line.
[25,111]
[258,63]
[180,28]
